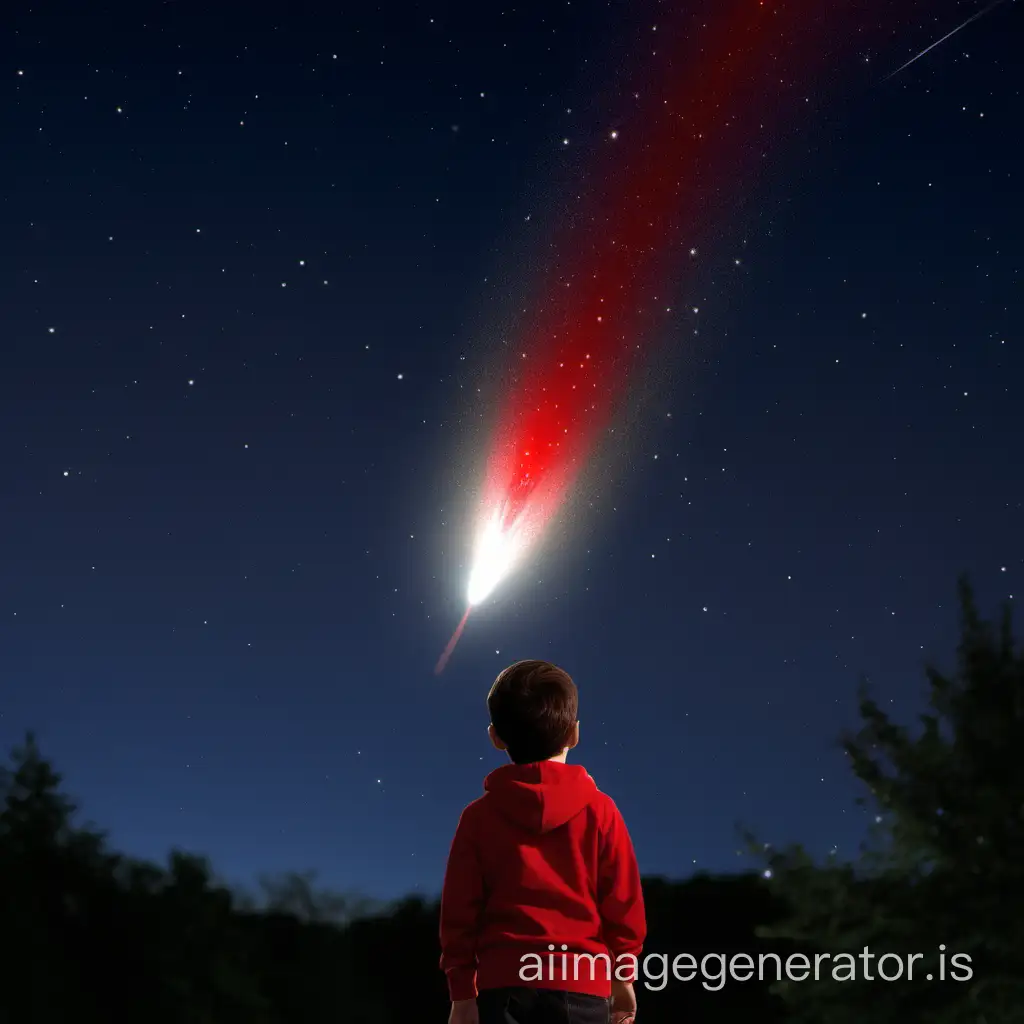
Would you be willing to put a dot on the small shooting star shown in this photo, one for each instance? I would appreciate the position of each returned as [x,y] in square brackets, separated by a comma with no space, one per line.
[938,42]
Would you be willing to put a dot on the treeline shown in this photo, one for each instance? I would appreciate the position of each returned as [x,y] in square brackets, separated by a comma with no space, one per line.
[99,936]
[94,935]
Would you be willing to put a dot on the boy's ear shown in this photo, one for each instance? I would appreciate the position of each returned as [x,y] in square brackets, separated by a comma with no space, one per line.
[575,737]
[498,742]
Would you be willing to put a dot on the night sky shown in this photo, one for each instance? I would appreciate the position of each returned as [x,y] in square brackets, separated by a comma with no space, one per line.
[259,271]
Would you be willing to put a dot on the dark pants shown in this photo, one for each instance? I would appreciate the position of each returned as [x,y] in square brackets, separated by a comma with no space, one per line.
[541,1006]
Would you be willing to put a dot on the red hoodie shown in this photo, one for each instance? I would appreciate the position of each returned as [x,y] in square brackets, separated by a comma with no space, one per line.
[542,859]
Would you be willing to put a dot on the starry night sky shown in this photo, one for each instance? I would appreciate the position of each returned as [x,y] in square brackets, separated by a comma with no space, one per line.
[253,272]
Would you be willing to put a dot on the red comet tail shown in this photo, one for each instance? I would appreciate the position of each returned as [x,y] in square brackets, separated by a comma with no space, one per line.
[709,108]
[723,89]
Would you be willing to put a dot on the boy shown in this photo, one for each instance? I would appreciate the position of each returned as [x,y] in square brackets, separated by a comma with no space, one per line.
[541,911]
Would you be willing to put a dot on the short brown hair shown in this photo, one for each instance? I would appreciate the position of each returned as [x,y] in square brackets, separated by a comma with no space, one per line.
[533,707]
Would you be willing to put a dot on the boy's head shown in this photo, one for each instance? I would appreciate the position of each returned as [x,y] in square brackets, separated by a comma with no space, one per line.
[533,707]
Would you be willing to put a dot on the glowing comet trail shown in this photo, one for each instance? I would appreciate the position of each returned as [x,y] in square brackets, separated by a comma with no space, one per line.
[693,130]
[938,42]
[447,652]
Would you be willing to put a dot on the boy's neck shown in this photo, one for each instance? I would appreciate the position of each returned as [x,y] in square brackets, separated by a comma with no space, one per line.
[560,758]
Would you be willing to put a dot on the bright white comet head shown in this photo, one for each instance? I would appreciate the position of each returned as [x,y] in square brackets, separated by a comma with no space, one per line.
[496,554]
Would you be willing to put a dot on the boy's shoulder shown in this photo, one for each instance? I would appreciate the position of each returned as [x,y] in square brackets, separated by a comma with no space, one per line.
[605,805]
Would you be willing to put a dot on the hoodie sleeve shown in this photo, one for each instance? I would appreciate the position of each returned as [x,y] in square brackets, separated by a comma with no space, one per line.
[620,898]
[461,904]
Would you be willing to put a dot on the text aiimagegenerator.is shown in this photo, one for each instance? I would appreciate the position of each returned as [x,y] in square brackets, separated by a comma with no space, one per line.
[715,969]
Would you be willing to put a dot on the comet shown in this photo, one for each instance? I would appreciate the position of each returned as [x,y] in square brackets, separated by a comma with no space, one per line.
[501,543]
[711,94]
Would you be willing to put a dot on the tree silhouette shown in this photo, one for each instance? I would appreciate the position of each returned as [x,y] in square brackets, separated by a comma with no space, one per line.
[944,866]
[295,893]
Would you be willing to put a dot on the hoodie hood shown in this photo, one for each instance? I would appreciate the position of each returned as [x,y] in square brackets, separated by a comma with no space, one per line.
[540,797]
